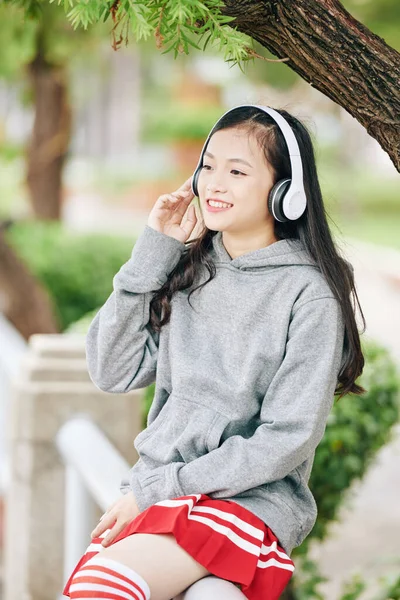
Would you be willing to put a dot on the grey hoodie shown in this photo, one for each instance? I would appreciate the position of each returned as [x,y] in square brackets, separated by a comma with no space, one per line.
[245,377]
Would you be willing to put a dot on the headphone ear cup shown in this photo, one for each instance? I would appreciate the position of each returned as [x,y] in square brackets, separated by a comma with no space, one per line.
[194,181]
[275,199]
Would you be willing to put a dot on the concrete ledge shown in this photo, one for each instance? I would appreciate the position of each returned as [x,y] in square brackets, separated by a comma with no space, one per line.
[52,387]
[58,345]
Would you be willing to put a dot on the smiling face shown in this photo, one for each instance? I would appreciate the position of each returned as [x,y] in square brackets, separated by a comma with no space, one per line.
[235,171]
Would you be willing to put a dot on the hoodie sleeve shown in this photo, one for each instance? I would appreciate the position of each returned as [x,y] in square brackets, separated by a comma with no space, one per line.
[294,413]
[121,347]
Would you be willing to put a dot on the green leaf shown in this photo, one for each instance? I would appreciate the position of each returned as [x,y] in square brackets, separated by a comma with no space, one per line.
[207,41]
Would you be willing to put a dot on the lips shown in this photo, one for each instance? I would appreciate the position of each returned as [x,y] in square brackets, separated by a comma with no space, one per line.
[216,209]
[218,200]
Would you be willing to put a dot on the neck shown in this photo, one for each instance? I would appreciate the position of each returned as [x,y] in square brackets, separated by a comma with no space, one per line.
[241,243]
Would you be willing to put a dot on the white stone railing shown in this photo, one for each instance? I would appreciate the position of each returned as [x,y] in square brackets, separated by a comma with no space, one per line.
[60,428]
[93,472]
[12,349]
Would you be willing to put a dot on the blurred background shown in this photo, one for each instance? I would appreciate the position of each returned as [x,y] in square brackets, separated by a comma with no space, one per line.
[90,137]
[130,125]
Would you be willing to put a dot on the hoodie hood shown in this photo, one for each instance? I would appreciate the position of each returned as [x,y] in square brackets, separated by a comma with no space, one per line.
[285,252]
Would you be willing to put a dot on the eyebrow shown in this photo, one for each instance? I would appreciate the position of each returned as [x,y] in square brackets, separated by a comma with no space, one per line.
[241,160]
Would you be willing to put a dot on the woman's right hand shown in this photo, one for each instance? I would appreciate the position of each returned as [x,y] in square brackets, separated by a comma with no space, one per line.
[122,512]
[168,212]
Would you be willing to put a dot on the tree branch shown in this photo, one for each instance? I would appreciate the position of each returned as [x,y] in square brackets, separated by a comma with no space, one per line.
[336,54]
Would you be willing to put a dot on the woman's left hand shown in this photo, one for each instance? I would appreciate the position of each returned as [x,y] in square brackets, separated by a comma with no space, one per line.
[122,512]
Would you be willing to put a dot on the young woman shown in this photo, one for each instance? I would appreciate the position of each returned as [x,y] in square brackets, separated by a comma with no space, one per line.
[248,331]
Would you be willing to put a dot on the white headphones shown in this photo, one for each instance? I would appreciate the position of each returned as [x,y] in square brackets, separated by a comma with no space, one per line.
[287,199]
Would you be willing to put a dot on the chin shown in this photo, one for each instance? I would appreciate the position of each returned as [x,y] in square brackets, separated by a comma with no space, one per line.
[218,227]
[214,224]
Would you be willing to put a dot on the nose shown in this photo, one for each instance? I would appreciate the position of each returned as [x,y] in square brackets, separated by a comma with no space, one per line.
[215,189]
[215,185]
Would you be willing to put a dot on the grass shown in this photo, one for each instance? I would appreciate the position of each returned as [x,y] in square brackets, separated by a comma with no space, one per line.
[383,229]
[362,203]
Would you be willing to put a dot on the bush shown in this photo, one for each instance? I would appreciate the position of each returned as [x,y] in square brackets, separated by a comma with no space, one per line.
[308,578]
[76,269]
[82,325]
[357,428]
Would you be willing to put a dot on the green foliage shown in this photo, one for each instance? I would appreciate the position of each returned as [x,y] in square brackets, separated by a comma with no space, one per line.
[353,588]
[393,589]
[17,34]
[12,190]
[76,269]
[24,22]
[10,151]
[307,579]
[179,24]
[357,427]
[382,229]
[176,24]
[274,74]
[381,16]
[147,400]
[82,324]
[366,204]
[368,191]
[179,122]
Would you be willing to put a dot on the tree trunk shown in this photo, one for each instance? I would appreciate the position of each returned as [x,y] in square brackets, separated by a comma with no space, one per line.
[22,300]
[51,134]
[336,54]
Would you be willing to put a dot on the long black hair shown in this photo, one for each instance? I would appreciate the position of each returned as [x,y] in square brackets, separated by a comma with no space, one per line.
[311,228]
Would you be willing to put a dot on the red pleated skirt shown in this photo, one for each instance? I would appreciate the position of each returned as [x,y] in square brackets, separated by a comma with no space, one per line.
[228,540]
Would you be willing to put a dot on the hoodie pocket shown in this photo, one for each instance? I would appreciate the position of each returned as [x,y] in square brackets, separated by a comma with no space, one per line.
[183,431]
[151,429]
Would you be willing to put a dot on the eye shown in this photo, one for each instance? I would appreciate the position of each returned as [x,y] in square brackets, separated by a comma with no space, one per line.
[232,171]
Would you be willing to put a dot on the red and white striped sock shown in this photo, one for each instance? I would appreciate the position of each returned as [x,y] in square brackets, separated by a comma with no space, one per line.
[109,580]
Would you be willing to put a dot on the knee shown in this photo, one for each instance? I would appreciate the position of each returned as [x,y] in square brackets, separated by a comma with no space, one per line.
[103,577]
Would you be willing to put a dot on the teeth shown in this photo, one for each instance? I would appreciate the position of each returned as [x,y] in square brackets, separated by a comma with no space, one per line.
[219,204]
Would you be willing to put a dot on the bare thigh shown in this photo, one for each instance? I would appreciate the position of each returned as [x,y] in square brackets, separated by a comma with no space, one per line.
[166,567]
